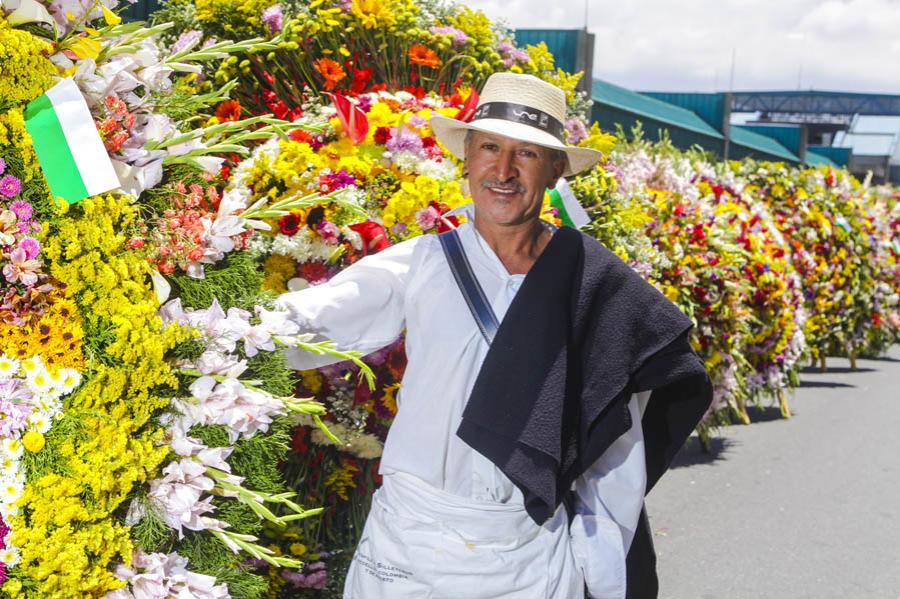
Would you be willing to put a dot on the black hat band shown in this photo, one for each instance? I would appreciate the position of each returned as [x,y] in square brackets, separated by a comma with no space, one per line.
[519,113]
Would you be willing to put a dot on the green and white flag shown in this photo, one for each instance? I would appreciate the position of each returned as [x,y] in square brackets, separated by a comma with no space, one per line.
[68,145]
[567,205]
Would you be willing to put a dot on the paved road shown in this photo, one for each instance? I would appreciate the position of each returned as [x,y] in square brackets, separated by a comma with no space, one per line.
[794,509]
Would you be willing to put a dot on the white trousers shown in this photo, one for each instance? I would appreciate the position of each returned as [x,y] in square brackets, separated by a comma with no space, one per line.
[423,543]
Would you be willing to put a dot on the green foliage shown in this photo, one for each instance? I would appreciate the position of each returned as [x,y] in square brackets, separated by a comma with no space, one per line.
[213,435]
[151,533]
[205,552]
[234,282]
[257,458]
[238,515]
[241,583]
[271,368]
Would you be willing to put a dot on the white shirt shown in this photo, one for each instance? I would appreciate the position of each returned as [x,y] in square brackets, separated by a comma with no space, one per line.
[410,285]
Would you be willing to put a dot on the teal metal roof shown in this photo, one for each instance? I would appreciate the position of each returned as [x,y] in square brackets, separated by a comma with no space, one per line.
[814,159]
[839,156]
[709,107]
[790,136]
[760,144]
[604,92]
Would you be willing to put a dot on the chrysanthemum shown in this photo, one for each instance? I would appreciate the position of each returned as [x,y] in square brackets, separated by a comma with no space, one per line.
[10,186]
[8,366]
[331,71]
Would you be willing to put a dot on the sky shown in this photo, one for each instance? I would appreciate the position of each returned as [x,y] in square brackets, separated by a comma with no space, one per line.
[666,45]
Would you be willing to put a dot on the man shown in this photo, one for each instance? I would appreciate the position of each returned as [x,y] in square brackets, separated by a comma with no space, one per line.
[517,464]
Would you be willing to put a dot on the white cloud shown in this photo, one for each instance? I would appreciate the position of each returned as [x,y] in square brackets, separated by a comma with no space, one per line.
[847,45]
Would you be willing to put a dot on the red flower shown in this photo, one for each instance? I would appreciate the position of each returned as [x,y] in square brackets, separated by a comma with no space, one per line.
[314,272]
[382,135]
[361,78]
[466,113]
[229,110]
[352,118]
[374,236]
[300,135]
[289,224]
[417,90]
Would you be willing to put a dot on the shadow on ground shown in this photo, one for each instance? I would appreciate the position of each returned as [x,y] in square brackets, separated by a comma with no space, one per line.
[693,453]
[824,385]
[834,370]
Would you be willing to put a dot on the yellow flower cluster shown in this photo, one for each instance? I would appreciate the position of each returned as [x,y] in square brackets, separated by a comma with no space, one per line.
[279,270]
[66,530]
[56,335]
[415,195]
[240,18]
[25,70]
[15,138]
[340,480]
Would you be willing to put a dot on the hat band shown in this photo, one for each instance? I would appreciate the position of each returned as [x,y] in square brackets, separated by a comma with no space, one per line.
[519,113]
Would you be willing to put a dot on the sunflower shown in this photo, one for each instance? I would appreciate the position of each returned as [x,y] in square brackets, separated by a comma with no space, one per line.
[423,55]
[331,71]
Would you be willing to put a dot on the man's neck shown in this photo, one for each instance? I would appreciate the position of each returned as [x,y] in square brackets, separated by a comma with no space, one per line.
[517,246]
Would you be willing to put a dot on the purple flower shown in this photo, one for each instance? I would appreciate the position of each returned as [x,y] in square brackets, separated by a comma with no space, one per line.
[511,54]
[21,208]
[416,120]
[459,38]
[30,246]
[10,186]
[272,17]
[364,103]
[576,130]
[404,140]
[2,166]
[14,415]
[187,40]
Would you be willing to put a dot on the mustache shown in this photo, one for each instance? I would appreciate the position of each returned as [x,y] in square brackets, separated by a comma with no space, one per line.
[514,187]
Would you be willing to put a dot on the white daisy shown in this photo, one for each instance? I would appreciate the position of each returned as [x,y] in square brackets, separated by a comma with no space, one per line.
[39,381]
[10,491]
[12,448]
[32,364]
[39,422]
[8,366]
[9,556]
[70,381]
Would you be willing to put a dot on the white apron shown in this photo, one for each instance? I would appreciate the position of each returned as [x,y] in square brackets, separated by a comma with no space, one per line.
[423,543]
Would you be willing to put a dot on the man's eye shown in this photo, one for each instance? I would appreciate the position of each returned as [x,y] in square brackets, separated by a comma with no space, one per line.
[527,153]
[487,146]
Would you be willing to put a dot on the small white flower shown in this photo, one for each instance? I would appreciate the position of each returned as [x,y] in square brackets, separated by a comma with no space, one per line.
[9,556]
[39,381]
[8,366]
[39,422]
[71,378]
[12,448]
[10,491]
[32,364]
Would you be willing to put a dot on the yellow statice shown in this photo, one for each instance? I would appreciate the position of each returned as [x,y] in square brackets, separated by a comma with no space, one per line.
[66,530]
[15,138]
[415,195]
[25,69]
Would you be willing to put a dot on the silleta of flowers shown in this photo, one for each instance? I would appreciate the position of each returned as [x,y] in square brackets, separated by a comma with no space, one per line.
[154,442]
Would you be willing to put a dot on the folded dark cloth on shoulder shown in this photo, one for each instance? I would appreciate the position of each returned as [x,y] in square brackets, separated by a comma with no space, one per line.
[583,333]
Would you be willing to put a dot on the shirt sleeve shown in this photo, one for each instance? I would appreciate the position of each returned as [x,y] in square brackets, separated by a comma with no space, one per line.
[360,309]
[608,502]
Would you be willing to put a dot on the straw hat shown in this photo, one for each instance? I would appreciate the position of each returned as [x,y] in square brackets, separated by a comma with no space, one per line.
[521,107]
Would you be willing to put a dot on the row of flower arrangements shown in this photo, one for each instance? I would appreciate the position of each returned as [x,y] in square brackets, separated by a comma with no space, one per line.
[155,442]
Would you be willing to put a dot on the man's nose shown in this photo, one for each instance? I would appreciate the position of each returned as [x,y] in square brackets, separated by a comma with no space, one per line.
[506,165]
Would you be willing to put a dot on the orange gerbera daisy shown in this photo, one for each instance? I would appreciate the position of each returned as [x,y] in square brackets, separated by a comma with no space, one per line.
[229,110]
[423,55]
[331,70]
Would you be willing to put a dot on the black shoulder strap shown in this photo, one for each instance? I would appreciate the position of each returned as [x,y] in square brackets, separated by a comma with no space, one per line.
[468,285]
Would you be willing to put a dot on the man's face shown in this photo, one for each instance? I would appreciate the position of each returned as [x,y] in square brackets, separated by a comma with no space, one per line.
[508,177]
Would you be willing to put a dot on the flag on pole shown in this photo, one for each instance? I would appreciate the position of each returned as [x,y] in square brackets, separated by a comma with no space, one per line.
[68,145]
[568,208]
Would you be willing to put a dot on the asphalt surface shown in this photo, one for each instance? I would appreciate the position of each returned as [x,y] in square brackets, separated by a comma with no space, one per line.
[802,508]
